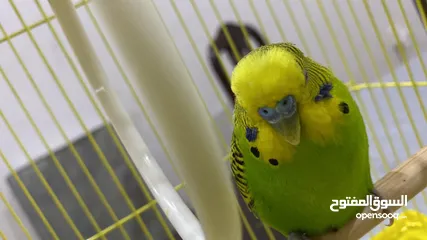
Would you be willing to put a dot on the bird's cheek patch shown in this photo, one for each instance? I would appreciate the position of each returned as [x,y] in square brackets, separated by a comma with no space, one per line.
[251,134]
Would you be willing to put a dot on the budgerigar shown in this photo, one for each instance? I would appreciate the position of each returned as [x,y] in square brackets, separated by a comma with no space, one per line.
[299,141]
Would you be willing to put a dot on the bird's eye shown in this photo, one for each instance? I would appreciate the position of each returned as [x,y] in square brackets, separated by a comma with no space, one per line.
[305,76]
[266,112]
[286,106]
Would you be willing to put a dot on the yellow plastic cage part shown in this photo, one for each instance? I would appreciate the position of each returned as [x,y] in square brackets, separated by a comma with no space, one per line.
[411,225]
[407,224]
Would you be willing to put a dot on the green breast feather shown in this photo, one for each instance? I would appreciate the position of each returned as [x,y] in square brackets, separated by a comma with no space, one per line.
[296,196]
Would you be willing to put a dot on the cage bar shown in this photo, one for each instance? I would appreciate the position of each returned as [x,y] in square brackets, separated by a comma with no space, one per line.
[178,213]
[161,78]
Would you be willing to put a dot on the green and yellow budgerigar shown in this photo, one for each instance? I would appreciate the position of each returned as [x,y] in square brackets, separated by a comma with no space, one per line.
[299,142]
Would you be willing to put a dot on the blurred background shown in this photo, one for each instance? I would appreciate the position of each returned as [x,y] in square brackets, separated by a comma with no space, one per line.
[377,47]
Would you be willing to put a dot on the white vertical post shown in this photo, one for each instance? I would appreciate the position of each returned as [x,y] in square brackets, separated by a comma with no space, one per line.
[161,78]
[169,200]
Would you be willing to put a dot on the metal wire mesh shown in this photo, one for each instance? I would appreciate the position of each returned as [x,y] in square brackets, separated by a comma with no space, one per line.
[377,102]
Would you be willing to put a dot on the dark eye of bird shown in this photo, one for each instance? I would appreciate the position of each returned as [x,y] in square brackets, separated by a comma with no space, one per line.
[306,76]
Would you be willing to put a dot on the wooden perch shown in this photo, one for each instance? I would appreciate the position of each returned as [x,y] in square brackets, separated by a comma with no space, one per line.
[409,178]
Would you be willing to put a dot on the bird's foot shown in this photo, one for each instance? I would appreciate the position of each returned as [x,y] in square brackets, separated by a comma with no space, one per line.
[297,236]
[377,194]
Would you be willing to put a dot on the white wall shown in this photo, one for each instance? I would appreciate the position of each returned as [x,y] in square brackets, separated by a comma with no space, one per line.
[55,57]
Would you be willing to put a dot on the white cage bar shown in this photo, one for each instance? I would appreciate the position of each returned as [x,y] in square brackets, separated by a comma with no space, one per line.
[143,40]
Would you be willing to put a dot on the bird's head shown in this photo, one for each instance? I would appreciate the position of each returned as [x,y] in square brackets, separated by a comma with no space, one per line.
[270,84]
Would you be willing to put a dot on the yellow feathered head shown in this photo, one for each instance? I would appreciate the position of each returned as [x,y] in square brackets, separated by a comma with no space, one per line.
[270,83]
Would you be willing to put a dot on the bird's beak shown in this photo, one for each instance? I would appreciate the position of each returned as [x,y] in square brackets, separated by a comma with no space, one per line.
[290,128]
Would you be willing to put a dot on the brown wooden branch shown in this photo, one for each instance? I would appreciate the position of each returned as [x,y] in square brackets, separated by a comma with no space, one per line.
[409,178]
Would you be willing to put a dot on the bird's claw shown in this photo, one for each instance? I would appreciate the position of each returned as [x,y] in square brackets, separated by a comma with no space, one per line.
[297,236]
